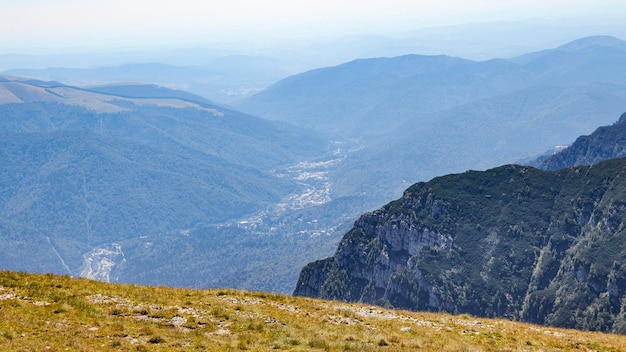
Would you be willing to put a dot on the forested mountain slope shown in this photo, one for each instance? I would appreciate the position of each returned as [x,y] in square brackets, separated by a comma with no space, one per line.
[415,117]
[121,187]
[367,98]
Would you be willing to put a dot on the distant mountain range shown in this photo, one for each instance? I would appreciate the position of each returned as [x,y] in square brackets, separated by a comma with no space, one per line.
[99,98]
[225,78]
[146,184]
[158,117]
[417,117]
[226,71]
[605,143]
[369,97]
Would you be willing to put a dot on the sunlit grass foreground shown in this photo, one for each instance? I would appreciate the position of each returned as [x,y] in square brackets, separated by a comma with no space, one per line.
[58,313]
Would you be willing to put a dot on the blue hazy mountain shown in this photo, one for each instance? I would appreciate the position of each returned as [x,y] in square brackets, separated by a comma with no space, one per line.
[415,117]
[393,121]
[369,96]
[224,77]
[93,181]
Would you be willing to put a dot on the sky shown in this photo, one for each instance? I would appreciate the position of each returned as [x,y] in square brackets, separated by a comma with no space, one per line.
[45,24]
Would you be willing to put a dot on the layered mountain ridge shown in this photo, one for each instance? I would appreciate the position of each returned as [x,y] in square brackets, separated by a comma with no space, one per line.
[417,117]
[223,195]
[365,92]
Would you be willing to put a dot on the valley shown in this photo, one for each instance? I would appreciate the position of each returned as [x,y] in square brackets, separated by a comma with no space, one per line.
[315,176]
[141,184]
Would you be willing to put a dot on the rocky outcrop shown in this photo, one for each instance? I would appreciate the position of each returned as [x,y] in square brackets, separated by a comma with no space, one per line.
[103,263]
[514,242]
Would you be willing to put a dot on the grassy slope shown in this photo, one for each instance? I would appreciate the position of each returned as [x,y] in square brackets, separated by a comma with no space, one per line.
[46,312]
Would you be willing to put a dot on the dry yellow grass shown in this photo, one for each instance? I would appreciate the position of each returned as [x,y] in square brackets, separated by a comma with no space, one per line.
[56,313]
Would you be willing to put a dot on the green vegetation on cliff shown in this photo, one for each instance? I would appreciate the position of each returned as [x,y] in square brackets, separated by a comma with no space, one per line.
[514,242]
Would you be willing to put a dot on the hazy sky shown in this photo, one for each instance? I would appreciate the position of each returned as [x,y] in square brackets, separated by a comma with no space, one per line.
[33,24]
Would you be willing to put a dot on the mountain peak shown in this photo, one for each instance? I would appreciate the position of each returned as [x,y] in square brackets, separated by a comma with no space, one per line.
[606,41]
[597,46]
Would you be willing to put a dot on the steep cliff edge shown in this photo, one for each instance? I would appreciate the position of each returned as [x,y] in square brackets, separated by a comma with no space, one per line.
[514,241]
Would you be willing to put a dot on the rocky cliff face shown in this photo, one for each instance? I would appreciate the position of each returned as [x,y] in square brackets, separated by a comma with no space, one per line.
[515,242]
